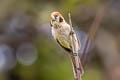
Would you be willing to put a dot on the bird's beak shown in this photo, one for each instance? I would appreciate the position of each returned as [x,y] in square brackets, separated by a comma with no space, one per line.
[53,18]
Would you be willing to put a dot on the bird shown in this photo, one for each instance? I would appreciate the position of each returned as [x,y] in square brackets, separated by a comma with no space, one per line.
[62,32]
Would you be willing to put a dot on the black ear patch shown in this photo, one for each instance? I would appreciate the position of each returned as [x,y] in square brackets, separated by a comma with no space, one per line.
[60,19]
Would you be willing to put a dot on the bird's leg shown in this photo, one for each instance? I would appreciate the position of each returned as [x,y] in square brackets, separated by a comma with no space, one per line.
[72,32]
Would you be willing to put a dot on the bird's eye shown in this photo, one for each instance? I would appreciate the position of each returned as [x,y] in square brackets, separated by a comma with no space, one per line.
[60,19]
[55,16]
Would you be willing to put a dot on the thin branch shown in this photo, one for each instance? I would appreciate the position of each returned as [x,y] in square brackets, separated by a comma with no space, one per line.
[92,32]
[72,32]
[76,63]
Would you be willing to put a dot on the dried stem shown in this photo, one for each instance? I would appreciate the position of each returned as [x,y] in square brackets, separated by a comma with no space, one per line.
[72,35]
[76,63]
[92,32]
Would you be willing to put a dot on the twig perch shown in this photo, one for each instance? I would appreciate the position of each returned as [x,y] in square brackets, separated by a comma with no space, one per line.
[76,62]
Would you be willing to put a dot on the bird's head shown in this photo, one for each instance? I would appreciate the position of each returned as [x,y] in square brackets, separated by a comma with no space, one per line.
[56,18]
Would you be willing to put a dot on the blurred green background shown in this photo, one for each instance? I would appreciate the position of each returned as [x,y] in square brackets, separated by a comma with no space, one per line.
[29,52]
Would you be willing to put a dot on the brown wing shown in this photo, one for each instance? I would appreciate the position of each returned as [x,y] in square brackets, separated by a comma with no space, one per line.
[67,49]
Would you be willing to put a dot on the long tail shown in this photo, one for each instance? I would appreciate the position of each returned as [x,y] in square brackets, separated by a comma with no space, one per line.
[77,67]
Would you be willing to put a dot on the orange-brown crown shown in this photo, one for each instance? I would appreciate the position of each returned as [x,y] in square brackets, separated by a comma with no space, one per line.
[56,14]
